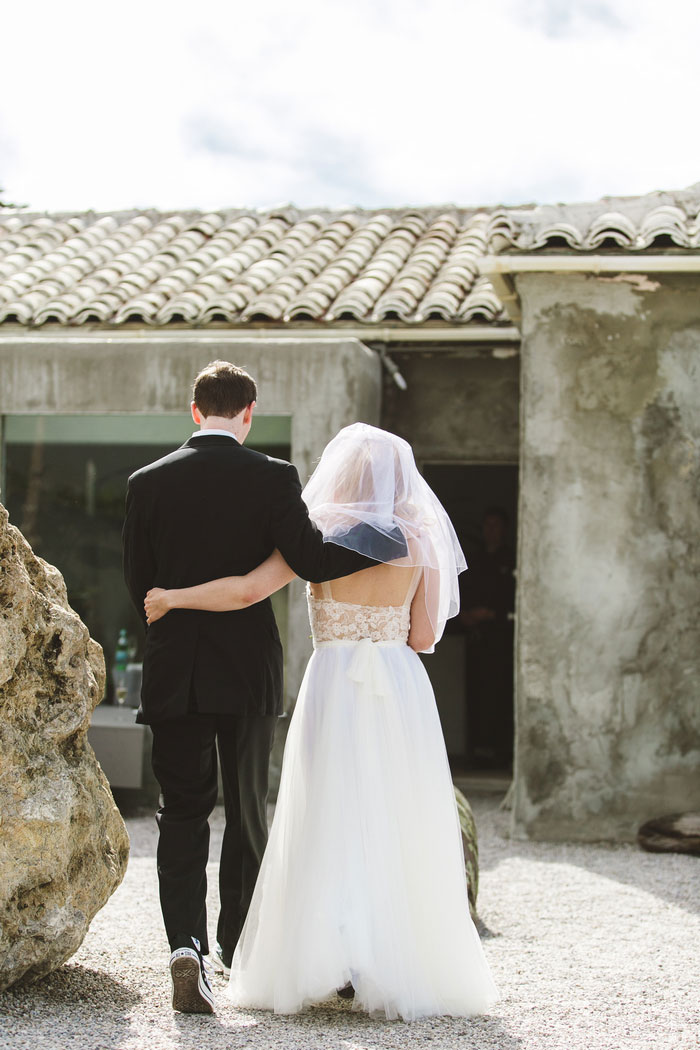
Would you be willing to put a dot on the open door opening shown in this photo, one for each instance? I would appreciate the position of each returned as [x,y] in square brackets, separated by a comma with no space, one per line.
[472,667]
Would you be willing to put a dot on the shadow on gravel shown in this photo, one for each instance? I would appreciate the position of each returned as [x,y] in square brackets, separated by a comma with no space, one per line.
[203,1030]
[667,876]
[67,1006]
[485,933]
[354,1029]
[664,875]
[338,1027]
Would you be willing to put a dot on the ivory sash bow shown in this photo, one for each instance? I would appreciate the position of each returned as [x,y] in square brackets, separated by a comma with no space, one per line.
[367,669]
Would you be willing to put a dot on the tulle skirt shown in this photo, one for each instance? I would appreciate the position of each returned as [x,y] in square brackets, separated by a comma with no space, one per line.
[363,877]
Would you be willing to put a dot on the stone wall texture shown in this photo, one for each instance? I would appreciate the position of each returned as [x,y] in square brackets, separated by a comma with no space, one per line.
[63,845]
[458,406]
[608,648]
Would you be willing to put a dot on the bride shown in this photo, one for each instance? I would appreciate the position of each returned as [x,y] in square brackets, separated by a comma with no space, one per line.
[362,887]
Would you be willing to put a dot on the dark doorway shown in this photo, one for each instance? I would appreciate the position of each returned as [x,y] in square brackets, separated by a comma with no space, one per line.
[472,667]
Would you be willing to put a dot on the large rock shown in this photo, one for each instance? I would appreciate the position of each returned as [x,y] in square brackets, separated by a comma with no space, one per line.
[470,844]
[677,833]
[63,845]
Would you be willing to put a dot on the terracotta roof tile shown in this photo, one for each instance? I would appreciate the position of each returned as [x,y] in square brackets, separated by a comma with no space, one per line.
[238,267]
[398,266]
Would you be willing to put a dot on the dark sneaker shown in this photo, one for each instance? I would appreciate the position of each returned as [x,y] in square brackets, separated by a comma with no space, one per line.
[347,991]
[192,992]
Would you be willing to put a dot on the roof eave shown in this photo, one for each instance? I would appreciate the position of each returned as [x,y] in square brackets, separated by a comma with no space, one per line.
[370,333]
[501,269]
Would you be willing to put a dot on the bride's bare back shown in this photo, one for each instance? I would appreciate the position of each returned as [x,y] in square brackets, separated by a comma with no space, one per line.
[380,585]
[385,586]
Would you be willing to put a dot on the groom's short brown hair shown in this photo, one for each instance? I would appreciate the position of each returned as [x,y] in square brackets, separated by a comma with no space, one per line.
[222,389]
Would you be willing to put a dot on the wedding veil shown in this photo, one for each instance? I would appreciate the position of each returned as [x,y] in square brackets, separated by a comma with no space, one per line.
[367,494]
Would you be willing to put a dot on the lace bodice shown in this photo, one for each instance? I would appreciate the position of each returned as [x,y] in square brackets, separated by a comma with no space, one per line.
[335,621]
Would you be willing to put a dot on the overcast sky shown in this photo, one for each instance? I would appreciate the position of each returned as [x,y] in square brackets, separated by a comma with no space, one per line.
[144,103]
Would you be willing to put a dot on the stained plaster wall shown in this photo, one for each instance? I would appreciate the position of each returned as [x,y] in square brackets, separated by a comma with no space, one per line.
[608,643]
[459,406]
[322,385]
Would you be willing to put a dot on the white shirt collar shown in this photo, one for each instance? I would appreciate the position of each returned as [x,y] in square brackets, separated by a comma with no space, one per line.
[217,433]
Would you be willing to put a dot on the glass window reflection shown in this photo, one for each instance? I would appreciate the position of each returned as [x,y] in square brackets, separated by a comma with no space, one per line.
[63,484]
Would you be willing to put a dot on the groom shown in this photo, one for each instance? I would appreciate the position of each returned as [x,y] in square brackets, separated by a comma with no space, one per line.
[214,680]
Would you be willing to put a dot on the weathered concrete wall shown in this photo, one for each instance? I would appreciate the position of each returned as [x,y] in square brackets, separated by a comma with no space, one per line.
[457,406]
[322,385]
[608,651]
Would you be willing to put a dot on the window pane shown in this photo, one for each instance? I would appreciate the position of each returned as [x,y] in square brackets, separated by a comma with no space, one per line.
[65,483]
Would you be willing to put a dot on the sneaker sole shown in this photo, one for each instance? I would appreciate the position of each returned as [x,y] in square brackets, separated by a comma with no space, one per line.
[188,996]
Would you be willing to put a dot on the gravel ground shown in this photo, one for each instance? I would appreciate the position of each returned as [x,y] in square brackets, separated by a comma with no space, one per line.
[592,946]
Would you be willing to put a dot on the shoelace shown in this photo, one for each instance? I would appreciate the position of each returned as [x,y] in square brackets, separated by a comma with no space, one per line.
[207,969]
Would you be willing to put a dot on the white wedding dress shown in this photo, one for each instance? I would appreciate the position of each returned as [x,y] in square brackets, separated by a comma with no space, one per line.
[363,877]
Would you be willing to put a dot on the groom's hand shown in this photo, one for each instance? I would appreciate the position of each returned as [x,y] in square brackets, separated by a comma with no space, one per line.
[156,604]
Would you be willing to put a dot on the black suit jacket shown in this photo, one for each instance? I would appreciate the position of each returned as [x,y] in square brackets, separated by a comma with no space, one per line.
[215,508]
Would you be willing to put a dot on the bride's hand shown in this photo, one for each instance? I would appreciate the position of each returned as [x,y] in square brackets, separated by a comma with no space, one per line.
[156,604]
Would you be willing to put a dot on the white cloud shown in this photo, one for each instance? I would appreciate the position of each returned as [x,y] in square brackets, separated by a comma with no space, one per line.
[371,102]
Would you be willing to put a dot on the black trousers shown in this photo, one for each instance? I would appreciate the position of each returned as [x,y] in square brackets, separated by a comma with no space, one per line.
[185,766]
